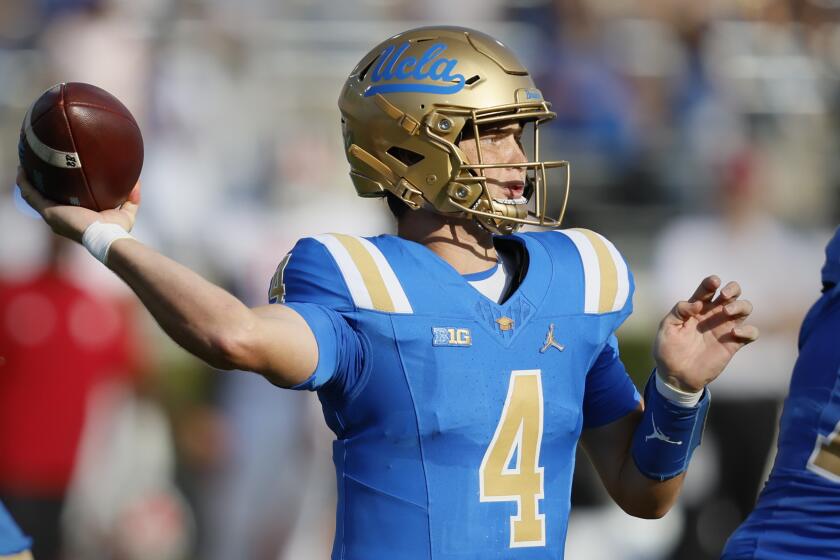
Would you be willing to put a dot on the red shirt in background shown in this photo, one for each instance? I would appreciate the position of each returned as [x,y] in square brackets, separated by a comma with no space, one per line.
[57,342]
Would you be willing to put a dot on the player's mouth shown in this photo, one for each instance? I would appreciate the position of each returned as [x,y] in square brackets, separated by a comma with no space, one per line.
[512,201]
[514,191]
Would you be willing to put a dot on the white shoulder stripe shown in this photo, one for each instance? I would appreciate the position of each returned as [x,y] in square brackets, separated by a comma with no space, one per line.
[351,274]
[392,284]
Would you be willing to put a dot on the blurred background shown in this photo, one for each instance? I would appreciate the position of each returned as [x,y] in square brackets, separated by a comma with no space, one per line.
[702,137]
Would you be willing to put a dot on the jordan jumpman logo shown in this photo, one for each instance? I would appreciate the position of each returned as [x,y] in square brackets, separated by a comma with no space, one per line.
[550,342]
[658,434]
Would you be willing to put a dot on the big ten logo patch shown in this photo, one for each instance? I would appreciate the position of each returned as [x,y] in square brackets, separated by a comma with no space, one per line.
[451,336]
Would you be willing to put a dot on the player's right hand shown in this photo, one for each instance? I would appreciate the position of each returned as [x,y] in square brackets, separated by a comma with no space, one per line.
[72,221]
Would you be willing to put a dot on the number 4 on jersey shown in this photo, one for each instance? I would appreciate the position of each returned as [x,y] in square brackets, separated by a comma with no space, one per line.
[519,431]
[825,459]
[277,290]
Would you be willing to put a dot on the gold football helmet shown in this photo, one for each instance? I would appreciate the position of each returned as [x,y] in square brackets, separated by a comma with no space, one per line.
[405,106]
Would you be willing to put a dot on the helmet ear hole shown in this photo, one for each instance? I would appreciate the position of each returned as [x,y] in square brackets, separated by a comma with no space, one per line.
[407,157]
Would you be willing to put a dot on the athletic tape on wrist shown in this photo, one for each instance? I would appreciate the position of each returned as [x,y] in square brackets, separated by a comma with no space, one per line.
[676,396]
[98,238]
[668,434]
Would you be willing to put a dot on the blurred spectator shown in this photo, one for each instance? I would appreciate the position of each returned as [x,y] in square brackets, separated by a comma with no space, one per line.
[122,503]
[594,105]
[250,507]
[97,44]
[740,241]
[18,23]
[58,342]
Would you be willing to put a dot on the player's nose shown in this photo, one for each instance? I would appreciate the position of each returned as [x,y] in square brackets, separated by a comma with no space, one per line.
[513,152]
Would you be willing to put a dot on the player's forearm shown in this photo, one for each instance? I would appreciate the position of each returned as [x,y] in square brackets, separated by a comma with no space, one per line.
[641,496]
[609,449]
[201,317]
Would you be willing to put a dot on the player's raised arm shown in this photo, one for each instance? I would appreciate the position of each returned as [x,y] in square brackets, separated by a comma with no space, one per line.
[201,317]
[642,457]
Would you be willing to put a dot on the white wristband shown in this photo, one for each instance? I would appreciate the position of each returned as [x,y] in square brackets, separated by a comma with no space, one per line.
[98,238]
[677,396]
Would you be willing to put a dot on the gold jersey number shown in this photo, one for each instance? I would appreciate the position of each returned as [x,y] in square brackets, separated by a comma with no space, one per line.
[519,434]
[825,458]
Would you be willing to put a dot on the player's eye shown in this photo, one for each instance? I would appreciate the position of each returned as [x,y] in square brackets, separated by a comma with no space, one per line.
[494,137]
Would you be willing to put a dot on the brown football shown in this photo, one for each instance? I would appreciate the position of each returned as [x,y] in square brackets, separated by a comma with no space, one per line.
[79,145]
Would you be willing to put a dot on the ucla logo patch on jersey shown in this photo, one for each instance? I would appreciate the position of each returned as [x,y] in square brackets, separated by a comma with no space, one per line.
[451,336]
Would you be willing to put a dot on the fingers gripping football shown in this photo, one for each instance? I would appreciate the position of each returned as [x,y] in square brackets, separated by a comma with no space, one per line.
[72,221]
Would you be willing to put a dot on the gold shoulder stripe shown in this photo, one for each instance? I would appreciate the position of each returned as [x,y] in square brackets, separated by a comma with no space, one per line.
[368,275]
[372,278]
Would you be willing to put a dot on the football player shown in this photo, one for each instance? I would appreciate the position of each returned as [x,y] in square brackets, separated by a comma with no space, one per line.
[798,511]
[459,362]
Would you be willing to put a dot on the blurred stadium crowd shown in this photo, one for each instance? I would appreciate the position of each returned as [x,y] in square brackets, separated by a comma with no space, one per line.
[702,137]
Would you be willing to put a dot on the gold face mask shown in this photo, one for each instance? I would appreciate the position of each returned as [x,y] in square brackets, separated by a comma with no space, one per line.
[405,106]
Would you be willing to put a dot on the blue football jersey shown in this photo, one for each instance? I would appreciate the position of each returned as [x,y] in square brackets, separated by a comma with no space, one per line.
[798,511]
[457,418]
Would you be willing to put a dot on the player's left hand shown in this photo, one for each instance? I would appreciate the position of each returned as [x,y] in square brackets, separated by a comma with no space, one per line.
[698,337]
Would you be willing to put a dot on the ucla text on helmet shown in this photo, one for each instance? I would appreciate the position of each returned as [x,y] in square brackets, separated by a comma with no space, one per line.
[431,66]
